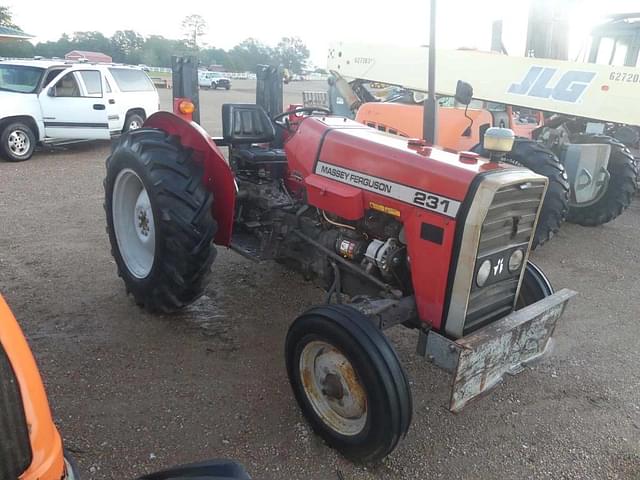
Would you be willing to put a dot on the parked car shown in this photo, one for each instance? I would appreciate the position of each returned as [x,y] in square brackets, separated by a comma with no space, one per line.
[46,101]
[213,80]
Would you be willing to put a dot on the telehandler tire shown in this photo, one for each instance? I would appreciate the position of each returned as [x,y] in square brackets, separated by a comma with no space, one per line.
[159,220]
[539,159]
[348,381]
[622,186]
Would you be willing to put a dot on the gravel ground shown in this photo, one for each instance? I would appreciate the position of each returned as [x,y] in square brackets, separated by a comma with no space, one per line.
[134,393]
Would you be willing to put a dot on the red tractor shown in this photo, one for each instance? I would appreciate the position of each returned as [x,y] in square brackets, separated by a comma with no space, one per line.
[398,233]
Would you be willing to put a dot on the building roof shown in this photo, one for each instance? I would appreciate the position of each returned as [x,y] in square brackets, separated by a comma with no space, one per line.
[13,33]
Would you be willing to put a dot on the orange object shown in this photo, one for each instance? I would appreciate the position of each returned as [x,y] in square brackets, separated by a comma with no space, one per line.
[184,108]
[524,129]
[453,130]
[46,445]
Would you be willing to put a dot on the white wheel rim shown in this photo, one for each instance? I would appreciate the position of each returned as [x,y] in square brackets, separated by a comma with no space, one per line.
[134,125]
[333,388]
[133,223]
[18,142]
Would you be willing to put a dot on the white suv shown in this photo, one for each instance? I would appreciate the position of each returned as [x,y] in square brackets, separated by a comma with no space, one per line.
[44,101]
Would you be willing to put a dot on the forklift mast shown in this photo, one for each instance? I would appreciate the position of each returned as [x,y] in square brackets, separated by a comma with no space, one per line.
[184,73]
[184,69]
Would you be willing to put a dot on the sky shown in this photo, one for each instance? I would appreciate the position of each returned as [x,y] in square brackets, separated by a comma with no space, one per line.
[460,23]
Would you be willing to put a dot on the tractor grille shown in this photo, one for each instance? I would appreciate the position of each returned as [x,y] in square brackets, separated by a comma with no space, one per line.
[15,447]
[508,226]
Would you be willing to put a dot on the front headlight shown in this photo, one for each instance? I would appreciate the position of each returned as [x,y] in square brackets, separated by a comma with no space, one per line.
[515,260]
[483,273]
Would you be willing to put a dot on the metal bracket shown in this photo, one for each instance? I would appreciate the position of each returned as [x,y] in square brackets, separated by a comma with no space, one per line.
[442,352]
[386,312]
[479,360]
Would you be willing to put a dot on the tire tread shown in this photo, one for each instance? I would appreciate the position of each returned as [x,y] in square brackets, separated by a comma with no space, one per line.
[183,266]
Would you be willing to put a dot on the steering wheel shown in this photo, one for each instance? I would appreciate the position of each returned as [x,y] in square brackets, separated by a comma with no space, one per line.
[283,124]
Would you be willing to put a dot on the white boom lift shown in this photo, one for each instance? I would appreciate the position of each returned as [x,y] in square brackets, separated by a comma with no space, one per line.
[599,92]
[585,105]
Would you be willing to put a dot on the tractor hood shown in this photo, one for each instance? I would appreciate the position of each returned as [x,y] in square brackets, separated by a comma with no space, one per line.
[403,169]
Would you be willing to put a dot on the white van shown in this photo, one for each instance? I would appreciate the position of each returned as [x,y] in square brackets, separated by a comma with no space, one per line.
[43,101]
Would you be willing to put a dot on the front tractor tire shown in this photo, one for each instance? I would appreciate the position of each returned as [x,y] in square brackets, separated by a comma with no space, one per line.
[622,186]
[539,159]
[348,381]
[159,220]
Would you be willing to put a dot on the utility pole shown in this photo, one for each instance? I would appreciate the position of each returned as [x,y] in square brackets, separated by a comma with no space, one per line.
[430,106]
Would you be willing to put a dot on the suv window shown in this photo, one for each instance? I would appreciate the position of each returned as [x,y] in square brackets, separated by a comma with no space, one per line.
[51,74]
[67,86]
[130,80]
[19,78]
[92,80]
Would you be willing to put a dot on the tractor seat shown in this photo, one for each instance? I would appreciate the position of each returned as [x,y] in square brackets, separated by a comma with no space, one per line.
[246,123]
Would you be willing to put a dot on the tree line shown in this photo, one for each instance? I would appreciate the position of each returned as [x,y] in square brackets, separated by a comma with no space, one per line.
[128,46]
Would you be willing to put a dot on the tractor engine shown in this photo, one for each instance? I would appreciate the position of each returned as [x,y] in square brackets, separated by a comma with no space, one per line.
[371,247]
[279,224]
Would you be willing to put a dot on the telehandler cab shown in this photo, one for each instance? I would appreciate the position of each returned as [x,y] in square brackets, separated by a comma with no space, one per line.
[397,231]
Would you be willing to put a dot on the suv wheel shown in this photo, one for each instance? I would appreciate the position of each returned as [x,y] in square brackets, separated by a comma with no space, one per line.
[133,121]
[17,142]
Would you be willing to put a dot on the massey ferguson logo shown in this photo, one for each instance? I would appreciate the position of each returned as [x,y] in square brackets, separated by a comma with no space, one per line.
[498,267]
[537,83]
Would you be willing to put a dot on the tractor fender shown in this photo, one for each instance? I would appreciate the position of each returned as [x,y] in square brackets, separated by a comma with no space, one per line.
[218,177]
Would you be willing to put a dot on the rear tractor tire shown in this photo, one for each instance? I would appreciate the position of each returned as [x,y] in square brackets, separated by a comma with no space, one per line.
[539,159]
[623,184]
[159,220]
[348,382]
